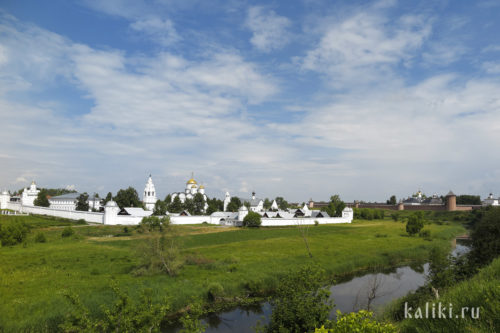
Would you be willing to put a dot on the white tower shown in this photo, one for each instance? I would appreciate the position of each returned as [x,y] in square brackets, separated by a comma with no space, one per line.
[242,212]
[4,199]
[149,197]
[111,210]
[227,199]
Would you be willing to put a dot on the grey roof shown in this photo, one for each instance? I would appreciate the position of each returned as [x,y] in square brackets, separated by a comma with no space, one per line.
[67,196]
[136,211]
[450,194]
[318,212]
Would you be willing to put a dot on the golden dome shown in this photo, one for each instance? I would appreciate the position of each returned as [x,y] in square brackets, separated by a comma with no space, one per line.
[194,186]
[191,181]
[201,186]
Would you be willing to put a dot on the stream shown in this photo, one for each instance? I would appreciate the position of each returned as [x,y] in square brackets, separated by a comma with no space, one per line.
[348,296]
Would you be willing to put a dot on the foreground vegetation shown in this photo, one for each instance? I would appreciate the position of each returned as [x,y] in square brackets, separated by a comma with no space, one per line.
[221,265]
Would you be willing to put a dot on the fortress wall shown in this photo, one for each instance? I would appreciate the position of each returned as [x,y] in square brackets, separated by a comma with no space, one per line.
[74,215]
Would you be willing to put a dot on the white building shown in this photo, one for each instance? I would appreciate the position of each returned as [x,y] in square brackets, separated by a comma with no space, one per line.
[491,201]
[64,202]
[274,205]
[68,202]
[227,200]
[149,197]
[29,195]
[4,199]
[256,205]
[190,191]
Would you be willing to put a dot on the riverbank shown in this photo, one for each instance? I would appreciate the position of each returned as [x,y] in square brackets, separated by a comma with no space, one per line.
[238,263]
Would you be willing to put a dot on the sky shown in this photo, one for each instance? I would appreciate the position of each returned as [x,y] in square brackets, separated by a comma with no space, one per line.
[301,98]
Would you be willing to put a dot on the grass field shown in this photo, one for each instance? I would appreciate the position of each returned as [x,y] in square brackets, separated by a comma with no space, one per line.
[34,276]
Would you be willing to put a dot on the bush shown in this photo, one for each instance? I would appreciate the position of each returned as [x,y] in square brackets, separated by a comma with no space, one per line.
[81,222]
[67,232]
[252,220]
[361,321]
[215,290]
[152,223]
[301,303]
[414,225]
[12,233]
[40,238]
[395,216]
[425,234]
[316,223]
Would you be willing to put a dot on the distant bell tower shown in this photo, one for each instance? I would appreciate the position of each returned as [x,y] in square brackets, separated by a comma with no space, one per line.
[227,199]
[149,195]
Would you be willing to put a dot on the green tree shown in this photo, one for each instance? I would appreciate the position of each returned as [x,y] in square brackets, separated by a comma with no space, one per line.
[176,205]
[128,198]
[335,206]
[466,199]
[214,205]
[282,203]
[486,237]
[199,204]
[301,303]
[109,197]
[189,206]
[414,224]
[267,203]
[234,204]
[82,202]
[41,199]
[160,250]
[392,200]
[160,208]
[252,220]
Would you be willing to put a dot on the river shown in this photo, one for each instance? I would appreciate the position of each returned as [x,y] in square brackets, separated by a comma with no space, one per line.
[348,296]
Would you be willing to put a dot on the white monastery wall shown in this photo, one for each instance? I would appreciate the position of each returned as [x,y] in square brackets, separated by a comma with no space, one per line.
[74,215]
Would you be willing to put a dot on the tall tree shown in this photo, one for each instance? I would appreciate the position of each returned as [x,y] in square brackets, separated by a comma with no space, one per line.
[41,199]
[189,206]
[392,200]
[176,205]
[109,197]
[82,202]
[335,206]
[160,208]
[199,204]
[128,198]
[282,203]
[234,204]
[267,203]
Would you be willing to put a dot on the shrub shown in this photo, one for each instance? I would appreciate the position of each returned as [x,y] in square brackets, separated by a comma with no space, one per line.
[301,303]
[361,321]
[316,223]
[67,232]
[252,220]
[414,225]
[215,290]
[425,234]
[40,238]
[12,233]
[152,223]
[395,216]
[81,222]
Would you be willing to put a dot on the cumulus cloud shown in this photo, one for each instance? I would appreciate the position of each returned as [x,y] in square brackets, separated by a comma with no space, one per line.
[270,31]
[364,47]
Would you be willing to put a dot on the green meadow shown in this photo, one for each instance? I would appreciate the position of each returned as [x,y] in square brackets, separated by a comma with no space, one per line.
[245,263]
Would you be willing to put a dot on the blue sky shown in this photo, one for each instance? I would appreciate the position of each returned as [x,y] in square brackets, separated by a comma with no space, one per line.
[301,99]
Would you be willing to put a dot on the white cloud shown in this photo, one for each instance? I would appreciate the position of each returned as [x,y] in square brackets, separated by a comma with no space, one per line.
[162,31]
[491,67]
[269,29]
[365,47]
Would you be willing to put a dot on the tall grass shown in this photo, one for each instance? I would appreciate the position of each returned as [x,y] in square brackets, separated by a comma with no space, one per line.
[243,261]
